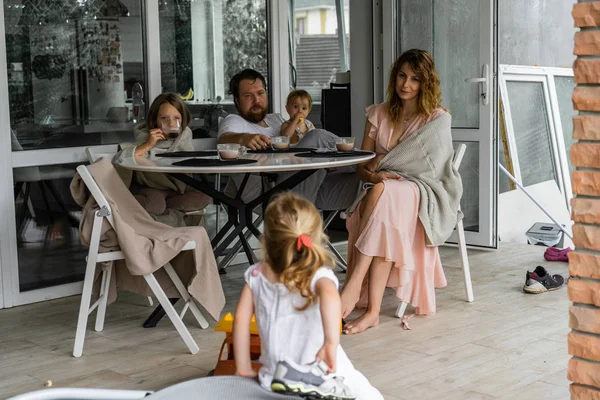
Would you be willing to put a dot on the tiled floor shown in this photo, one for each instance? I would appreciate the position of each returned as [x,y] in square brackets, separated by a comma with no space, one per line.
[505,345]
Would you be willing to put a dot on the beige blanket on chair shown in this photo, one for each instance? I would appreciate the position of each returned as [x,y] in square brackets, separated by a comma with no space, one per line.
[425,158]
[147,245]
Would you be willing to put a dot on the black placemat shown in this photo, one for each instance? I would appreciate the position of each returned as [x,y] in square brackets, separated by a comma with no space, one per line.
[334,154]
[211,162]
[288,150]
[201,153]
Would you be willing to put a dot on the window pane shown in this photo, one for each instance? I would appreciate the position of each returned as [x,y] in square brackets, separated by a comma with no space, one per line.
[71,66]
[449,30]
[532,135]
[202,48]
[316,44]
[564,91]
[469,173]
[47,220]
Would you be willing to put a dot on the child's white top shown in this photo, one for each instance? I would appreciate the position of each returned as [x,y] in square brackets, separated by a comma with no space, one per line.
[284,331]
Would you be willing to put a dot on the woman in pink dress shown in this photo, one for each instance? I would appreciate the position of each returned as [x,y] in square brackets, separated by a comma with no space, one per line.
[387,244]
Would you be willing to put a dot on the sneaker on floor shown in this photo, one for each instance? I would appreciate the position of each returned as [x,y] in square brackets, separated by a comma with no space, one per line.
[309,381]
[540,281]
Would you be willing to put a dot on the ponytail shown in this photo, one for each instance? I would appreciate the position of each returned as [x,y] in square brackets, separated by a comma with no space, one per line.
[293,243]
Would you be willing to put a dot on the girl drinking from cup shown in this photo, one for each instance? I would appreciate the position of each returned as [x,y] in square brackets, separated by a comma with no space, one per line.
[165,130]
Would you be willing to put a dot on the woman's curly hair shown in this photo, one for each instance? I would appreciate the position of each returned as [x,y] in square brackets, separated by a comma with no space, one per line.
[430,94]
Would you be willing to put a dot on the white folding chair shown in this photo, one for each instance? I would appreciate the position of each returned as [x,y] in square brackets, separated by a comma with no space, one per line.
[92,158]
[107,258]
[462,245]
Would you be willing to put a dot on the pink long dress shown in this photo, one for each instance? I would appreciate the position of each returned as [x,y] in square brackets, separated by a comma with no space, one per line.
[394,230]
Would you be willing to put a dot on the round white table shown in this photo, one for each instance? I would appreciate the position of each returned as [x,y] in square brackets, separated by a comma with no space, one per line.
[276,162]
[239,212]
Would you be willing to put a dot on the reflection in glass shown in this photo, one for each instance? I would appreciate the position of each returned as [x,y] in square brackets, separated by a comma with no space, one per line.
[47,221]
[469,173]
[71,66]
[450,31]
[315,49]
[532,134]
[202,48]
[564,91]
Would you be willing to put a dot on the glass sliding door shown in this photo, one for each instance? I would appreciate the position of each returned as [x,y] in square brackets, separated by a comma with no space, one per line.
[460,36]
[71,66]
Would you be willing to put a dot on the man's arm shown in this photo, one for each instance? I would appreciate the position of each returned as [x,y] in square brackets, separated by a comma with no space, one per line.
[254,141]
[232,137]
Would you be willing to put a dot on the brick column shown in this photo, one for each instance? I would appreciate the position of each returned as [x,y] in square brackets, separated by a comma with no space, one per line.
[584,263]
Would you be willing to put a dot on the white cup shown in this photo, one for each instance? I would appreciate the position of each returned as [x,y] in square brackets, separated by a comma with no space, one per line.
[280,142]
[229,151]
[344,143]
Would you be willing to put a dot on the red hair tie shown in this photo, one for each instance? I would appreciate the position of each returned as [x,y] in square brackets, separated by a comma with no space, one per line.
[303,240]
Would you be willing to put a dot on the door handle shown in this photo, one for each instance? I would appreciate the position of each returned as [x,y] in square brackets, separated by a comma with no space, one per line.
[485,84]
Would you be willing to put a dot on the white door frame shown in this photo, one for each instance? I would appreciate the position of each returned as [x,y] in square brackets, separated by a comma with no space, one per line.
[545,76]
[8,246]
[279,54]
[486,237]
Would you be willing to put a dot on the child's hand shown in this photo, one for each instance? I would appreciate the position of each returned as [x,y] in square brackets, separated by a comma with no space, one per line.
[247,373]
[328,354]
[154,136]
[298,117]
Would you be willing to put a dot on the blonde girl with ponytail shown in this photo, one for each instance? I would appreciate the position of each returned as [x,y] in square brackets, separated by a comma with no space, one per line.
[294,294]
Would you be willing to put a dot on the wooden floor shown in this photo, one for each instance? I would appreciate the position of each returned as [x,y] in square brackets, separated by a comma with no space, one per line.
[506,344]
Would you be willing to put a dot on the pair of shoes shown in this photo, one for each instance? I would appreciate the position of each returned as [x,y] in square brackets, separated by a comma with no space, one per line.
[310,381]
[554,254]
[540,281]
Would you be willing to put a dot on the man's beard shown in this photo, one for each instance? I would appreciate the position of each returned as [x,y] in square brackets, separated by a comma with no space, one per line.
[255,116]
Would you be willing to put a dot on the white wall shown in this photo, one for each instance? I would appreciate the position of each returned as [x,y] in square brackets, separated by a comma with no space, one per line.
[535,32]
[313,22]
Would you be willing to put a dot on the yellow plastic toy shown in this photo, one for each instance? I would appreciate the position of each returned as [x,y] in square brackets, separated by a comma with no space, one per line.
[226,325]
[226,366]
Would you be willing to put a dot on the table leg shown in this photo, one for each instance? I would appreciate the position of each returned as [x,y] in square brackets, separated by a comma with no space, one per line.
[247,249]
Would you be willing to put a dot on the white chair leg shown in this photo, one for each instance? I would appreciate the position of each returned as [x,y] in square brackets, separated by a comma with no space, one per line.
[170,311]
[186,296]
[464,259]
[88,282]
[101,313]
[401,309]
[338,257]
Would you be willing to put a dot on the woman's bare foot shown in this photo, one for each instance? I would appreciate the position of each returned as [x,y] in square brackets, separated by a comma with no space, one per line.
[349,299]
[367,320]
